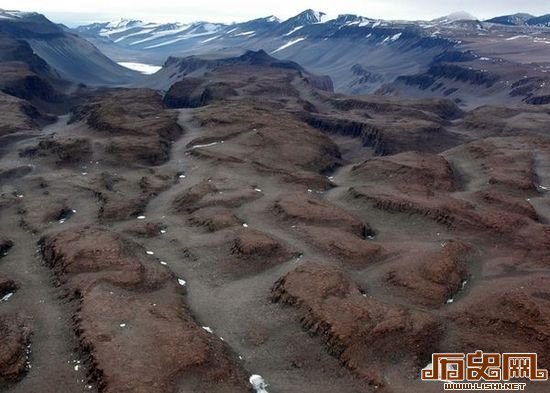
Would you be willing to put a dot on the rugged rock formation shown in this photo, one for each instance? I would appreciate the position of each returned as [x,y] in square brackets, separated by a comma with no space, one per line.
[408,170]
[64,151]
[302,208]
[5,245]
[432,278]
[15,334]
[507,318]
[135,124]
[365,334]
[122,297]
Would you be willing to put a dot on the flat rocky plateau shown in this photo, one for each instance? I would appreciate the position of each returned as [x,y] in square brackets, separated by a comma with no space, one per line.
[250,223]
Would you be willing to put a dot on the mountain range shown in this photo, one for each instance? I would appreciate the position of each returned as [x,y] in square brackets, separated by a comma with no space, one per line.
[73,57]
[456,56]
[452,56]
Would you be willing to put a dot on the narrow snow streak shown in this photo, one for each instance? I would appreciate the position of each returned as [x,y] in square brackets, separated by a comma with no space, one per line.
[288,44]
[143,68]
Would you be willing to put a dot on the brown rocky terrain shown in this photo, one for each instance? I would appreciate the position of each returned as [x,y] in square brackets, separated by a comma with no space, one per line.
[247,222]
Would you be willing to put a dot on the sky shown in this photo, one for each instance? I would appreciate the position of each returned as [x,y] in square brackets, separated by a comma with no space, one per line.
[77,12]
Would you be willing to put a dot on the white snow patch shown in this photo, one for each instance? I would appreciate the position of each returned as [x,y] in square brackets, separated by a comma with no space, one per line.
[182,282]
[141,217]
[516,37]
[288,44]
[293,31]
[210,39]
[8,14]
[143,68]
[163,263]
[245,33]
[245,225]
[6,297]
[208,329]
[122,325]
[204,145]
[258,383]
[395,37]
[150,253]
[260,190]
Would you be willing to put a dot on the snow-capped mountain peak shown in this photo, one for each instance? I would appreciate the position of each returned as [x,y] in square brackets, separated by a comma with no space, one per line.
[272,18]
[455,16]
[308,17]
[12,14]
[122,22]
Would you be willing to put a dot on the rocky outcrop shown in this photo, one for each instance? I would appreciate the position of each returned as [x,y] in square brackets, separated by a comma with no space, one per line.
[211,194]
[506,317]
[365,334]
[214,218]
[137,127]
[353,251]
[65,151]
[539,100]
[408,170]
[269,138]
[434,277]
[452,72]
[15,334]
[122,297]
[300,208]
[7,285]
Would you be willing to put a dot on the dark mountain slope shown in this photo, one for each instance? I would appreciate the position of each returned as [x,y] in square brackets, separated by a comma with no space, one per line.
[72,57]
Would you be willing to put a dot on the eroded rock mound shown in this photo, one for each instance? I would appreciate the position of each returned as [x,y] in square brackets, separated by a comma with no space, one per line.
[137,126]
[65,151]
[5,245]
[508,163]
[123,296]
[408,170]
[507,317]
[7,285]
[301,208]
[214,194]
[214,218]
[365,334]
[267,137]
[145,229]
[432,278]
[122,199]
[244,252]
[349,248]
[18,116]
[196,92]
[15,334]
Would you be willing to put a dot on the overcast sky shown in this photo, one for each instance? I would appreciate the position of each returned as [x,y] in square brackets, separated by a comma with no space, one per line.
[84,11]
